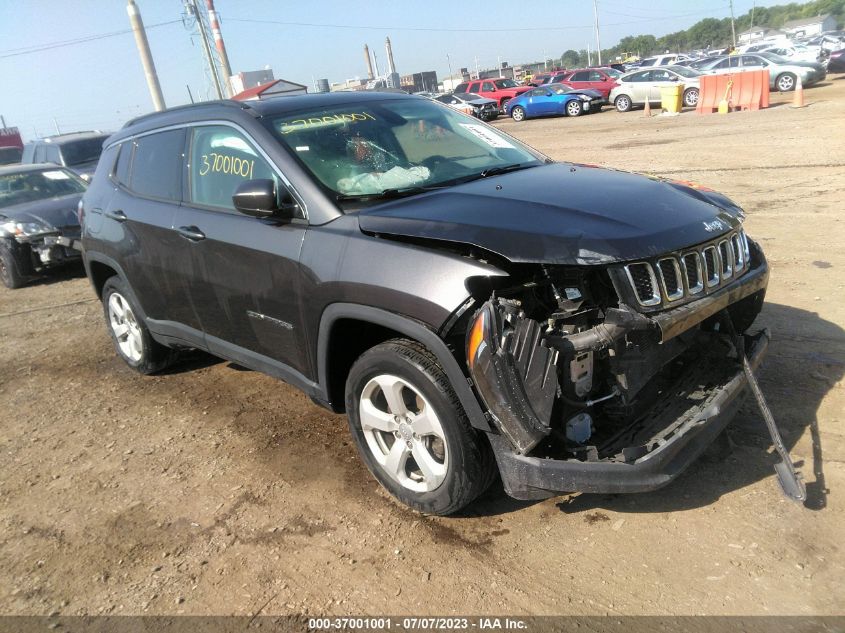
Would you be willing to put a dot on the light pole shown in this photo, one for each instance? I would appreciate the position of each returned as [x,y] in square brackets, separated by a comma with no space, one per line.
[598,36]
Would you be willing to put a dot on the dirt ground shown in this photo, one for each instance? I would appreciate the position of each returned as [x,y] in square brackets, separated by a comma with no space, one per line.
[214,490]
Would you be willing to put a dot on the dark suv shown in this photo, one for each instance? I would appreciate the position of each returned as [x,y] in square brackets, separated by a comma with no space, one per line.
[471,305]
[78,151]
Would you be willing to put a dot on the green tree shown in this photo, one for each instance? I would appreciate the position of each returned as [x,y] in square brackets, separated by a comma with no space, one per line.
[570,59]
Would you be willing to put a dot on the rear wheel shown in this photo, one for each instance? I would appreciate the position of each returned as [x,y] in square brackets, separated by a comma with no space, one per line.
[574,108]
[503,104]
[10,269]
[785,82]
[518,114]
[691,97]
[623,103]
[131,338]
[411,431]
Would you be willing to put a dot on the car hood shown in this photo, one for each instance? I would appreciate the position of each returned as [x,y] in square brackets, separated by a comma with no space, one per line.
[480,102]
[54,212]
[561,214]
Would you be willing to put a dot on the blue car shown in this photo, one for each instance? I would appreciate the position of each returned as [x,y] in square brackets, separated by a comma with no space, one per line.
[552,99]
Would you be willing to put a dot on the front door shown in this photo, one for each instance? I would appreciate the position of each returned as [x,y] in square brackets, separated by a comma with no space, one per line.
[247,269]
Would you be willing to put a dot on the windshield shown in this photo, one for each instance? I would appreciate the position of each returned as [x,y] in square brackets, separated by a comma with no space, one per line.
[613,72]
[683,71]
[381,148]
[506,83]
[28,186]
[84,151]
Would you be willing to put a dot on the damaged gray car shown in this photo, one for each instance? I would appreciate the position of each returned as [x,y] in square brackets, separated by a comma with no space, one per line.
[475,308]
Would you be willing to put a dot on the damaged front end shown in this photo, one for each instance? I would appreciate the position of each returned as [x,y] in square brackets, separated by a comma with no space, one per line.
[614,379]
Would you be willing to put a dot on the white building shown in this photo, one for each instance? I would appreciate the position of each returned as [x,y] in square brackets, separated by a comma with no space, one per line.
[758,33]
[808,27]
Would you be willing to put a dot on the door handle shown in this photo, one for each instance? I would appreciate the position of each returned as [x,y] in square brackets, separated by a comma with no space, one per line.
[117,215]
[191,233]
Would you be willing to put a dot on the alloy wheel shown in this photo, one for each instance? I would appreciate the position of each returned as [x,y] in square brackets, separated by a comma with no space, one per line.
[404,433]
[125,327]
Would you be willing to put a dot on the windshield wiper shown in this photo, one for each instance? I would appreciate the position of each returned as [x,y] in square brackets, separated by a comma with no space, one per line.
[387,194]
[495,171]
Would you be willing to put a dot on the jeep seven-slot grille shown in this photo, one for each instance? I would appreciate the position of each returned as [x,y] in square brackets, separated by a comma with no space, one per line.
[688,273]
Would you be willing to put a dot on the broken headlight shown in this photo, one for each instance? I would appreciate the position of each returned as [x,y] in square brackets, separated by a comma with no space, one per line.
[23,229]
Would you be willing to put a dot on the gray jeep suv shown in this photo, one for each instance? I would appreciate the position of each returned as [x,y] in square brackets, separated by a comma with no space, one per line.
[475,308]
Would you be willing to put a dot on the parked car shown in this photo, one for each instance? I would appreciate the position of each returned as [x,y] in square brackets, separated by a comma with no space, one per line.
[661,60]
[472,104]
[10,155]
[39,227]
[469,304]
[836,61]
[500,90]
[601,80]
[549,100]
[797,53]
[78,151]
[696,64]
[783,73]
[635,88]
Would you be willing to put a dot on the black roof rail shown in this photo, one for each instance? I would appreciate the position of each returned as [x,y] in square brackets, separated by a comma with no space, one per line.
[231,103]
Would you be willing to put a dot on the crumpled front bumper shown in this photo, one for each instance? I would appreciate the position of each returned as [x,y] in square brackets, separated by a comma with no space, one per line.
[527,477]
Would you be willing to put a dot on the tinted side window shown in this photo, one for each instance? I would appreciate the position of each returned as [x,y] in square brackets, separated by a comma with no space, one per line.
[222,159]
[157,165]
[53,155]
[461,88]
[121,169]
[643,76]
[751,60]
[582,76]
[596,76]
[648,62]
[538,92]
[487,86]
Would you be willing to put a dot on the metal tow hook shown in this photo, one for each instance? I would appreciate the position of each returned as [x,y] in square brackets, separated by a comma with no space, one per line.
[789,480]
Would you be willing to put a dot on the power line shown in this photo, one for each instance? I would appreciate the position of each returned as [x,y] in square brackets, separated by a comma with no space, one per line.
[15,52]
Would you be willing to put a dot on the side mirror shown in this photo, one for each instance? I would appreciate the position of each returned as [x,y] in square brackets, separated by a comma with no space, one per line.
[257,198]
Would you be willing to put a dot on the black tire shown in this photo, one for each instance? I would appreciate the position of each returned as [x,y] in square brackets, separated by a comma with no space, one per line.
[786,82]
[503,104]
[470,468]
[153,357]
[691,97]
[623,103]
[574,108]
[11,269]
[518,113]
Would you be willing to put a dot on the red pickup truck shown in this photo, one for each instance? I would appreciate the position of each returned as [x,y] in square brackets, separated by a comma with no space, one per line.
[502,90]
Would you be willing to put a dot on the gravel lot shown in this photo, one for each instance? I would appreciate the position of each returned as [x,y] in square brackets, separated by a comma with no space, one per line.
[215,490]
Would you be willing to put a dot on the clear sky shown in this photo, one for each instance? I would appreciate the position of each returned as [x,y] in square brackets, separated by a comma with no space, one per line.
[99,83]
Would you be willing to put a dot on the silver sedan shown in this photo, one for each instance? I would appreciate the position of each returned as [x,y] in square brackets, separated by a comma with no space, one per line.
[783,73]
[637,87]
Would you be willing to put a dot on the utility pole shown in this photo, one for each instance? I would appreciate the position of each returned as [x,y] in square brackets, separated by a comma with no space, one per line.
[146,57]
[477,72]
[221,47]
[212,67]
[598,37]
[451,76]
[499,64]
[733,27]
[753,6]
[56,123]
[589,63]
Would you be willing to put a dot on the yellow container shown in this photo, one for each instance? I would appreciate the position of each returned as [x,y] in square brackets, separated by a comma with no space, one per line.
[671,98]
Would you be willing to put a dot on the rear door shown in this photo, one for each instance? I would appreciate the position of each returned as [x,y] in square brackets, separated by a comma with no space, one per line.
[245,269]
[137,225]
[660,78]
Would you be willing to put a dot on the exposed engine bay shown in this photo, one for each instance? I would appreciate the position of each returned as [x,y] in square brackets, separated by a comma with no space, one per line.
[568,371]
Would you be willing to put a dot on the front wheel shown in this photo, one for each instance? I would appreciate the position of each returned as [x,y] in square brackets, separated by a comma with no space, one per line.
[132,340]
[785,82]
[623,103]
[10,269]
[518,114]
[411,431]
[503,105]
[691,98]
[574,108]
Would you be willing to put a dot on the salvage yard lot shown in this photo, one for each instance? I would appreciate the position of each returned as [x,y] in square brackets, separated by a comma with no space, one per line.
[211,489]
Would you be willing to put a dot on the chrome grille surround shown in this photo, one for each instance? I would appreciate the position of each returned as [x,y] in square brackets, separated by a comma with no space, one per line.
[693,273]
[672,284]
[683,275]
[650,295]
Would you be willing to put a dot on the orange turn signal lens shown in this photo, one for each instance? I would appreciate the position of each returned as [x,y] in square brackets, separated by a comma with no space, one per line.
[476,337]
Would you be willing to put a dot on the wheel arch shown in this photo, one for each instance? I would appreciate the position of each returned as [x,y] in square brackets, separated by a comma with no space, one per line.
[348,330]
[100,268]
